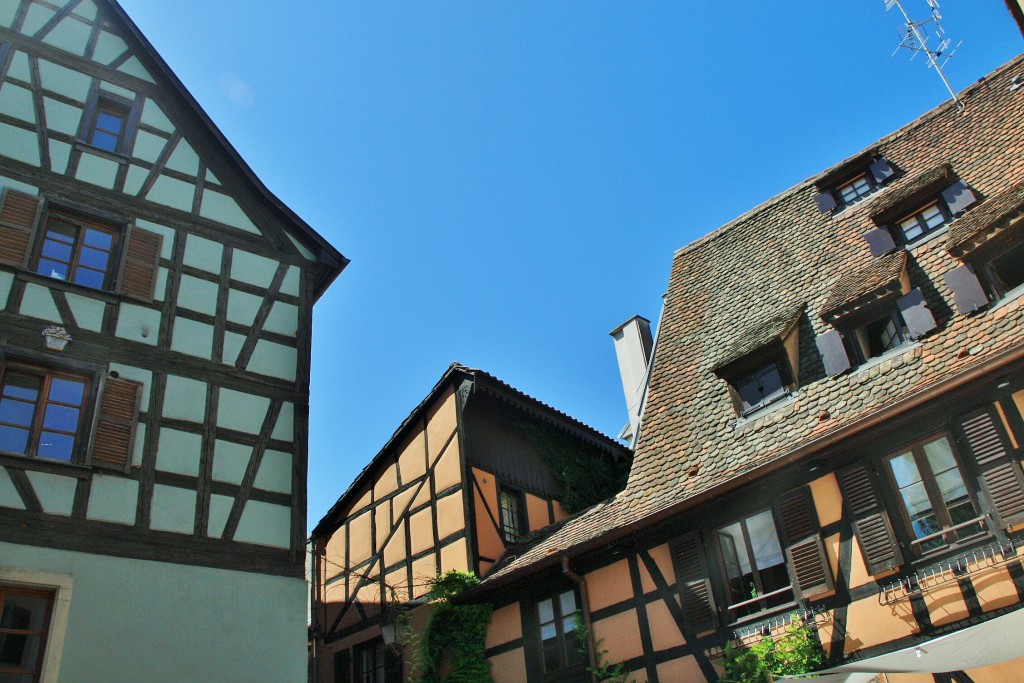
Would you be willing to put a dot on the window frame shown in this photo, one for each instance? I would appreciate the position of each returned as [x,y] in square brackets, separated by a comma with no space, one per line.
[569,672]
[918,216]
[857,339]
[43,633]
[87,407]
[757,364]
[82,222]
[100,101]
[384,663]
[512,533]
[762,598]
[939,508]
[871,186]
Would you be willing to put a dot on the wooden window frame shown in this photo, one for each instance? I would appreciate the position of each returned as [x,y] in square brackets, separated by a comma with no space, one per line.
[81,223]
[728,605]
[535,645]
[48,374]
[759,363]
[905,524]
[918,217]
[511,533]
[869,181]
[128,111]
[42,633]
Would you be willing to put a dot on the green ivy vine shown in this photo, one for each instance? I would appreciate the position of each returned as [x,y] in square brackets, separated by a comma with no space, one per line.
[451,648]
[584,473]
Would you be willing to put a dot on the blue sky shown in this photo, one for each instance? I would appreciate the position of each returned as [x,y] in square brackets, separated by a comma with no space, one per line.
[511,178]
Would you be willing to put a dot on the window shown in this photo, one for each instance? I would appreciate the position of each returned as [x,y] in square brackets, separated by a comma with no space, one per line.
[24,623]
[923,221]
[761,387]
[41,411]
[72,245]
[376,663]
[753,565]
[108,123]
[877,337]
[513,514]
[76,250]
[853,181]
[560,656]
[938,509]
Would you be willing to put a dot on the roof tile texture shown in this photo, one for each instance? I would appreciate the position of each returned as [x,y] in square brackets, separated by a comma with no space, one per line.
[785,255]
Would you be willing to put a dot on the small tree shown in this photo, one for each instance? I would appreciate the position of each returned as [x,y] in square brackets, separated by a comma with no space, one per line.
[796,651]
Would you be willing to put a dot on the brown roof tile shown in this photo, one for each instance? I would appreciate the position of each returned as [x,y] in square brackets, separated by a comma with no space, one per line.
[878,279]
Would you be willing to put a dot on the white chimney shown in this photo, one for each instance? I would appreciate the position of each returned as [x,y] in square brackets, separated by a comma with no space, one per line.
[633,345]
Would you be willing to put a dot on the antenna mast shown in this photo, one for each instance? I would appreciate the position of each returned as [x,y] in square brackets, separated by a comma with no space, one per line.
[915,39]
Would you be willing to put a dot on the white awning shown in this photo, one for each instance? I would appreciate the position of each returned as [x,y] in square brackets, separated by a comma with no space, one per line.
[994,641]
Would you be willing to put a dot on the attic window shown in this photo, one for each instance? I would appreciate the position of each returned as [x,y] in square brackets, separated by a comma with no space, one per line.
[762,366]
[852,182]
[109,123]
[921,207]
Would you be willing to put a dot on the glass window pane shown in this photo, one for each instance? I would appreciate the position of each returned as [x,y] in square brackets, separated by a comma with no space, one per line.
[56,251]
[546,611]
[13,439]
[61,418]
[101,239]
[904,469]
[25,387]
[61,231]
[89,278]
[734,550]
[104,141]
[940,455]
[567,602]
[915,498]
[16,412]
[23,612]
[68,391]
[764,540]
[932,216]
[109,121]
[52,269]
[56,446]
[93,258]
[548,631]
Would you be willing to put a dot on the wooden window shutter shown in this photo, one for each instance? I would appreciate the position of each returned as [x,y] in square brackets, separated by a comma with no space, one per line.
[141,262]
[691,568]
[833,353]
[958,197]
[118,413]
[19,213]
[805,552]
[916,314]
[826,201]
[881,170]
[1000,473]
[870,521]
[880,241]
[342,667]
[968,294]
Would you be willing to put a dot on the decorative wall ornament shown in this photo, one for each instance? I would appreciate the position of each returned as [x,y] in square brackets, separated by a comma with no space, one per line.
[56,338]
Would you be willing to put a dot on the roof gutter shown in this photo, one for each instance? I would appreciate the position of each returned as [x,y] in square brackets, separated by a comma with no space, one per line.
[812,447]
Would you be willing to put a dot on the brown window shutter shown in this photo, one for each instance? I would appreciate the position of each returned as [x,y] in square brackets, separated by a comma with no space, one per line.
[968,294]
[826,201]
[805,552]
[881,170]
[958,197]
[833,352]
[1001,476]
[691,568]
[115,424]
[916,314]
[19,213]
[141,262]
[879,241]
[870,521]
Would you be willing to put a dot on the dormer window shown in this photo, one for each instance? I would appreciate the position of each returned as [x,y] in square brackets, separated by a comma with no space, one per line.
[918,209]
[761,367]
[109,123]
[920,222]
[853,181]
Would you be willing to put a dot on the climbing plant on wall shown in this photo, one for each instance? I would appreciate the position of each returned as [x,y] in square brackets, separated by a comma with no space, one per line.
[452,646]
[584,473]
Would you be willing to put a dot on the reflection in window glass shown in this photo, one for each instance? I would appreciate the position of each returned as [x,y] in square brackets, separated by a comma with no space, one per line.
[760,387]
[754,564]
[40,412]
[560,646]
[76,251]
[24,620]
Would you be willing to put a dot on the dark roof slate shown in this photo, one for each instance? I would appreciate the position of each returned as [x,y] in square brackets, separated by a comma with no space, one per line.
[877,279]
[989,219]
[691,445]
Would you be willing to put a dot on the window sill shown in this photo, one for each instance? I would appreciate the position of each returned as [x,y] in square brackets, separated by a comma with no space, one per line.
[24,462]
[751,418]
[112,156]
[1007,299]
[785,608]
[888,355]
[73,287]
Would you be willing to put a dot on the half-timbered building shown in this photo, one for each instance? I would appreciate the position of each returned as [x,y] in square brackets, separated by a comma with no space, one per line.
[832,430]
[477,467]
[155,317]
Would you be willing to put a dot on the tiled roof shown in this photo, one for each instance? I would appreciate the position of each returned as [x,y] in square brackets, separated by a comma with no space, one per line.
[892,205]
[989,219]
[757,332]
[879,278]
[691,445]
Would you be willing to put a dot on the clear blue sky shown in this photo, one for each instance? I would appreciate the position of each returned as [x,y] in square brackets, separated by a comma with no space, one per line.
[511,178]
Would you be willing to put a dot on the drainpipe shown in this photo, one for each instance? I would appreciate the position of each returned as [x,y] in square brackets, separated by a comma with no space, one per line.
[578,580]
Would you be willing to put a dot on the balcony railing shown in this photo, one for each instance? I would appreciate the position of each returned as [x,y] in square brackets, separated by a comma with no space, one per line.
[971,563]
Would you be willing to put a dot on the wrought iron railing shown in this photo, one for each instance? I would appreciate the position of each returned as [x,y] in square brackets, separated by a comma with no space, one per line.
[971,563]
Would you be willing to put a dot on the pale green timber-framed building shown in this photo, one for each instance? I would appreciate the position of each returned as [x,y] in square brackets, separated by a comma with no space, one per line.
[155,318]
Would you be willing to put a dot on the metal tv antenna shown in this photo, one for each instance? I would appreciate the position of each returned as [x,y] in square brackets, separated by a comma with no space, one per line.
[915,39]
